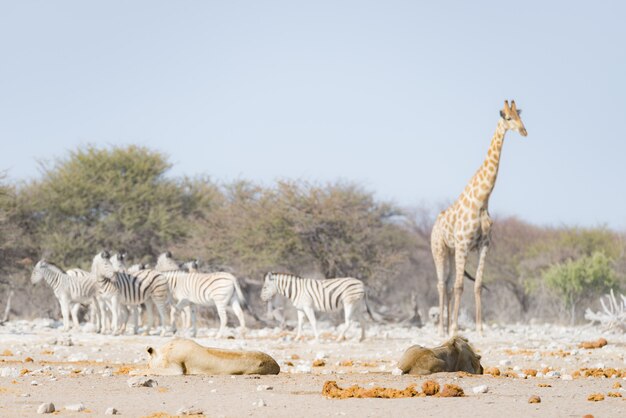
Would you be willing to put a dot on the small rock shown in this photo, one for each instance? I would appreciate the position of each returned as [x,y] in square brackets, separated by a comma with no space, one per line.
[264,387]
[553,373]
[189,410]
[534,399]
[566,377]
[259,403]
[25,395]
[396,372]
[480,389]
[75,407]
[141,381]
[46,408]
[34,383]
[505,362]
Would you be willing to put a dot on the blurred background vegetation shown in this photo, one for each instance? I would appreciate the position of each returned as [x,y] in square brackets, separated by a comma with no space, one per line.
[123,198]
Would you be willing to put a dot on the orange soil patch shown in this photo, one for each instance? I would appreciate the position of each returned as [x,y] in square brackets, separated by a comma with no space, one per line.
[332,390]
[534,399]
[525,352]
[162,390]
[530,372]
[24,371]
[614,395]
[617,385]
[28,360]
[494,371]
[430,388]
[295,357]
[595,397]
[122,370]
[588,345]
[319,363]
[346,363]
[544,385]
[451,391]
[6,353]
[607,372]
[47,352]
[588,416]
[288,363]
[369,364]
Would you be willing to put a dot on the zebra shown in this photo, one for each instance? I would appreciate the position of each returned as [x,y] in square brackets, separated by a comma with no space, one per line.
[200,289]
[309,295]
[131,289]
[68,290]
[95,314]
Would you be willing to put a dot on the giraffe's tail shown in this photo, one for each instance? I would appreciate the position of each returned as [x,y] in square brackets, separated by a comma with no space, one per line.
[469,276]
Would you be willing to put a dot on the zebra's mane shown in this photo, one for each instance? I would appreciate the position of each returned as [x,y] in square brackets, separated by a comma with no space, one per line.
[55,267]
[295,276]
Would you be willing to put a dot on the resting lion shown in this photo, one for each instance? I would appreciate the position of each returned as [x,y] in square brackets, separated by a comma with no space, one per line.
[455,355]
[182,356]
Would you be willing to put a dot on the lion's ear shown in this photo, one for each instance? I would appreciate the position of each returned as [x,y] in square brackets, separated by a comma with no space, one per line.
[150,351]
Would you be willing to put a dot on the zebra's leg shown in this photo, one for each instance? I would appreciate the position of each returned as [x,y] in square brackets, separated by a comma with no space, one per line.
[192,319]
[162,309]
[300,321]
[310,314]
[103,316]
[65,312]
[347,314]
[95,315]
[135,315]
[221,312]
[149,316]
[74,312]
[362,321]
[175,313]
[240,316]
[115,311]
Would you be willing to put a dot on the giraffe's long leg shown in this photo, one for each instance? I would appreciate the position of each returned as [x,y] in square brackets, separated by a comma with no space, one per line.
[478,288]
[441,256]
[460,258]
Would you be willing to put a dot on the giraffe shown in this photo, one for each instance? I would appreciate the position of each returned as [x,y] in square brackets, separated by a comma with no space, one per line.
[466,225]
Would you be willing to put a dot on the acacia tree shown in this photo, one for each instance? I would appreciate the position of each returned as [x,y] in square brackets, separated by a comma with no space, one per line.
[581,279]
[107,198]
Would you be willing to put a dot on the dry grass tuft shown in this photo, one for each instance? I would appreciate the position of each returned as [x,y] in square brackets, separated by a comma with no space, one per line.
[332,390]
[451,391]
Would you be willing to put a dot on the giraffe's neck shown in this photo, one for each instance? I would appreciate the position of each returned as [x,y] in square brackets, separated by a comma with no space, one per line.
[481,185]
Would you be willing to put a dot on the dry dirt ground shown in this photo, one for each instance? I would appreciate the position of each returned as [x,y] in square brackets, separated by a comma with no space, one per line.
[39,363]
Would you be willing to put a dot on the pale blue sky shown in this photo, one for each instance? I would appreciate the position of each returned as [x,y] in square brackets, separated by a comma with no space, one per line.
[399,96]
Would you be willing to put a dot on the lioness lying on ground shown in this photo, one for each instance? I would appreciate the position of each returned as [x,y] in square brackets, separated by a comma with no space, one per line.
[182,356]
[455,355]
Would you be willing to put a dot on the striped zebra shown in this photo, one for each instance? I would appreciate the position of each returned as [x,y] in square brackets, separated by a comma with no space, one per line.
[308,296]
[68,290]
[130,289]
[201,289]
[95,314]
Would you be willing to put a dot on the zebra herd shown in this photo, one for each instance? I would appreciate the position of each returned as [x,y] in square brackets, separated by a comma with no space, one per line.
[115,293]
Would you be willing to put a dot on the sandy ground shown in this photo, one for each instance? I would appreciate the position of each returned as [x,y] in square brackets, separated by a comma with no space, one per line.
[39,363]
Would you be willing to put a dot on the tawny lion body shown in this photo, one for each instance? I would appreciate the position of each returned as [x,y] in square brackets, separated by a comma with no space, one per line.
[456,355]
[182,356]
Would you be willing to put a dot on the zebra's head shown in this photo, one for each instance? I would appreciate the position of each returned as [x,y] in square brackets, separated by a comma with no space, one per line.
[269,287]
[37,274]
[118,260]
[101,265]
[191,266]
[165,262]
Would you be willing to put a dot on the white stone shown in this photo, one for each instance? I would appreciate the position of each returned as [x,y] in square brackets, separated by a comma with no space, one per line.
[505,362]
[260,403]
[566,377]
[480,389]
[553,373]
[264,387]
[46,408]
[141,381]
[189,410]
[34,383]
[75,407]
[396,372]
[9,372]
[110,411]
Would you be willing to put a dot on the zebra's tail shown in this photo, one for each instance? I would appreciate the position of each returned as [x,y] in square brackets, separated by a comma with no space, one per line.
[240,296]
[469,276]
[368,309]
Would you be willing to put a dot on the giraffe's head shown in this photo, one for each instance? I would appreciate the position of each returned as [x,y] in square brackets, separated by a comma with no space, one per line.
[511,117]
